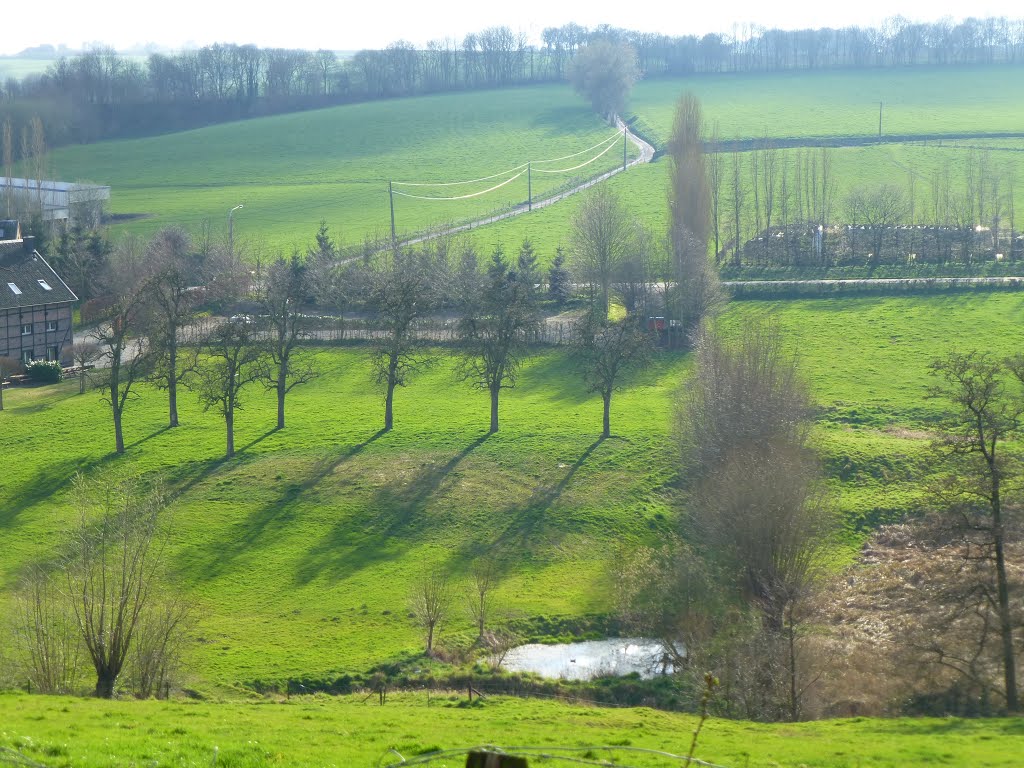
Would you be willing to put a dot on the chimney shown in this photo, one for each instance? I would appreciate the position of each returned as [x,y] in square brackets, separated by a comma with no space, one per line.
[29,243]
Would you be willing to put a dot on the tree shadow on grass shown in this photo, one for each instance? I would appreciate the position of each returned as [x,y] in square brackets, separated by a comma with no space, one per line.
[218,556]
[380,531]
[523,527]
[150,436]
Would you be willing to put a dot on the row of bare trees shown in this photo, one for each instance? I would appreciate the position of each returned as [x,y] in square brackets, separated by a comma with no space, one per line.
[152,293]
[99,94]
[773,207]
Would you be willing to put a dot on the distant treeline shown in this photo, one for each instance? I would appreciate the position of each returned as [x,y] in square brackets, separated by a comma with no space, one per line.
[100,94]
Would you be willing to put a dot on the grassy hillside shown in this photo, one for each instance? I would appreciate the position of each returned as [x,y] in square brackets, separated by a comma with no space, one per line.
[302,551]
[644,190]
[917,101]
[291,171]
[317,731]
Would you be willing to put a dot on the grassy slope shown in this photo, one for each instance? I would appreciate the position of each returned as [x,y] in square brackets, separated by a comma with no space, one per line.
[645,190]
[318,531]
[291,171]
[918,100]
[302,550]
[349,732]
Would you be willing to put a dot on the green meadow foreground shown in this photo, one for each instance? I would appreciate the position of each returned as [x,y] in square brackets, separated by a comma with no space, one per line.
[300,553]
[348,731]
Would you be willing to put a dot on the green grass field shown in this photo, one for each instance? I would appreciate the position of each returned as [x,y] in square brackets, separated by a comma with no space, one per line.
[916,101]
[644,190]
[291,171]
[301,552]
[319,731]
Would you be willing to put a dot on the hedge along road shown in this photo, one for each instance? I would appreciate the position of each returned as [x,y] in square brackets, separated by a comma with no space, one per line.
[647,153]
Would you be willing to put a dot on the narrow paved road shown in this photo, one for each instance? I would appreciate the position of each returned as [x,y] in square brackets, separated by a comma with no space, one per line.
[646,155]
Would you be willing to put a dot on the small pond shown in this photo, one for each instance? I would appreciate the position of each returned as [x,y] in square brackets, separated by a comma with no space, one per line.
[588,659]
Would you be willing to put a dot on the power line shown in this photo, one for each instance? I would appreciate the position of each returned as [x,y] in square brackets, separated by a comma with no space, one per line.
[456,183]
[462,197]
[577,167]
[613,137]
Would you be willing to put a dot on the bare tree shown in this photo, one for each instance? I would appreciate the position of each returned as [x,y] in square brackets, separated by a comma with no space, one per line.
[493,332]
[696,294]
[484,578]
[112,569]
[602,238]
[46,636]
[401,292]
[757,500]
[172,295]
[232,361]
[8,160]
[431,602]
[84,354]
[156,653]
[604,352]
[126,351]
[280,299]
[986,416]
[880,209]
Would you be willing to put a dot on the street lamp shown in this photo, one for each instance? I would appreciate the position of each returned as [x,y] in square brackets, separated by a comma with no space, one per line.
[231,229]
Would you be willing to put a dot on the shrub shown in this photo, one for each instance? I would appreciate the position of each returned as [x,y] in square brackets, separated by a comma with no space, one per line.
[44,371]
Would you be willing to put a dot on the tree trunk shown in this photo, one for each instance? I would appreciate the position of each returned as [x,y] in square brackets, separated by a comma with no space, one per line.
[389,417]
[1006,628]
[229,423]
[282,390]
[118,435]
[81,385]
[389,400]
[172,383]
[494,409]
[1003,595]
[607,397]
[105,680]
[794,708]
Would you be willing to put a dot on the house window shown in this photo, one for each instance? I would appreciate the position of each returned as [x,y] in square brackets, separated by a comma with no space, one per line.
[26,356]
[53,353]
[51,325]
[14,289]
[44,285]
[26,329]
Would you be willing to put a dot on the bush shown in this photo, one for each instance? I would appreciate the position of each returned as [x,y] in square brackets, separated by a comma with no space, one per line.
[44,372]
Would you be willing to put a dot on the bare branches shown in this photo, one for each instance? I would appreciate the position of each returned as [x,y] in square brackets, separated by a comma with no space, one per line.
[431,602]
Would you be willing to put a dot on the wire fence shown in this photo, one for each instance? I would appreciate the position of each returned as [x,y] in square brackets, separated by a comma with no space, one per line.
[591,755]
[337,330]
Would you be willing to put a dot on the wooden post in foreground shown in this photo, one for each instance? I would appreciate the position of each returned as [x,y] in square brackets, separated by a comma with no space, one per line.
[491,760]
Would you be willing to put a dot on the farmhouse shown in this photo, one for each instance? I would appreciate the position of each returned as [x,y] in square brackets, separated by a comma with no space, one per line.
[35,304]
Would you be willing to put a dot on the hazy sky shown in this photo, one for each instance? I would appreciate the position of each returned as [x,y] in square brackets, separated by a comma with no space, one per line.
[348,25]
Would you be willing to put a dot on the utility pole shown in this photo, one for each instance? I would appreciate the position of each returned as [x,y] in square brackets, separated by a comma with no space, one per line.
[391,199]
[879,120]
[529,186]
[624,146]
[231,230]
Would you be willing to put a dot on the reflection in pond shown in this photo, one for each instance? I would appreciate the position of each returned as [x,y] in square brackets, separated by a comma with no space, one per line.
[589,659]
